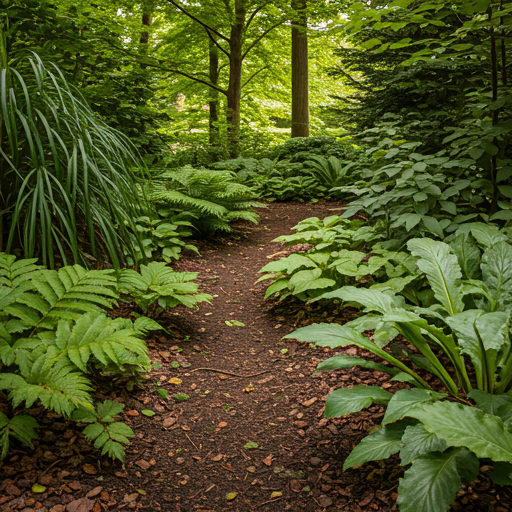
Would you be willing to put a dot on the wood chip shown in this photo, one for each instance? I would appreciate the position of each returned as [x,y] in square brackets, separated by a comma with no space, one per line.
[268,460]
[309,402]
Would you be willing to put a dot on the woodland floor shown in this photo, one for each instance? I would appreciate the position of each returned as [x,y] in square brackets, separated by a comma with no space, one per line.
[191,455]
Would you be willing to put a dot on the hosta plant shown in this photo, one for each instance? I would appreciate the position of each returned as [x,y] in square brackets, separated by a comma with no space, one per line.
[331,261]
[161,237]
[459,366]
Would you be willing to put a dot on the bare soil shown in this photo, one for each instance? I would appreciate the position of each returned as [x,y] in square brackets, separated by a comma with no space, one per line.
[251,435]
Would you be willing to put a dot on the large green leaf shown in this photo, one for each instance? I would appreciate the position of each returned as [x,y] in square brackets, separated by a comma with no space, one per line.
[404,399]
[417,442]
[335,335]
[443,272]
[468,256]
[497,275]
[337,362]
[497,405]
[432,482]
[462,425]
[372,300]
[305,280]
[348,400]
[377,446]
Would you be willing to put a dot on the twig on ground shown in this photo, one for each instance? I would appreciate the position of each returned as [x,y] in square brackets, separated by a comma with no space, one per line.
[230,373]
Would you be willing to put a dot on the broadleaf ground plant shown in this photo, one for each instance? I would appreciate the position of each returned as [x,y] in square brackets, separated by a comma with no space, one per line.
[459,369]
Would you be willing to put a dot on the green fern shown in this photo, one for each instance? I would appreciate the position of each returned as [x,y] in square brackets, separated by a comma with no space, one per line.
[95,336]
[21,427]
[158,283]
[215,197]
[103,431]
[65,293]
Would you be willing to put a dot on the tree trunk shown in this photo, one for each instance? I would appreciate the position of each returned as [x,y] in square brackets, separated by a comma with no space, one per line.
[144,36]
[234,91]
[213,132]
[300,74]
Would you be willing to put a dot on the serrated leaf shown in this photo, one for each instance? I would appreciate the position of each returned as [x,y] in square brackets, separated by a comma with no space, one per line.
[417,442]
[405,399]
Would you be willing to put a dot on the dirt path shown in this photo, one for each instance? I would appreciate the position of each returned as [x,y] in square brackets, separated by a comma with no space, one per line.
[256,441]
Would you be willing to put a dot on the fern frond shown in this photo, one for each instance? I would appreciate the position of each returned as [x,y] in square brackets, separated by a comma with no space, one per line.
[174,197]
[60,389]
[13,273]
[93,335]
[67,293]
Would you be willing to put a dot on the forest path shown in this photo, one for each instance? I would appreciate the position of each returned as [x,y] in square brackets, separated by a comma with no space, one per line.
[202,458]
[256,441]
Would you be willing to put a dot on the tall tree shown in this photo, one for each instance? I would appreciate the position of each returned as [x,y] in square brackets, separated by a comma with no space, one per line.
[300,71]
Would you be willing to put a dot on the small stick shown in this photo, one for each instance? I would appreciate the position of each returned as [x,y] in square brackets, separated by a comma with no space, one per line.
[200,491]
[192,442]
[229,373]
[224,291]
[270,501]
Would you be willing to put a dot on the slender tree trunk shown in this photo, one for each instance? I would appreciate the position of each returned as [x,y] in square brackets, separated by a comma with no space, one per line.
[495,114]
[144,36]
[300,73]
[234,91]
[214,95]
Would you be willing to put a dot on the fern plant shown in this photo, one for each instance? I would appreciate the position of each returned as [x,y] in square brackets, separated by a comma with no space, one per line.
[214,197]
[103,431]
[53,333]
[158,286]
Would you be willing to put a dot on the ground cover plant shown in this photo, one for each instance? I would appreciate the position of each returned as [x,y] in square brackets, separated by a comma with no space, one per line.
[460,336]
[55,334]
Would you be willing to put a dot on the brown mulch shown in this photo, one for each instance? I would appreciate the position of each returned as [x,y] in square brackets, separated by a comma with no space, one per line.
[244,385]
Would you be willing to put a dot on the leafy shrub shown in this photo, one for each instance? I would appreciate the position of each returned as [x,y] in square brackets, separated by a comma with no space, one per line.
[161,286]
[161,237]
[215,198]
[66,178]
[333,260]
[464,324]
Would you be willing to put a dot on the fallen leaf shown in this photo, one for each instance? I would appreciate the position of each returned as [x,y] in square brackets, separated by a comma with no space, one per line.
[249,445]
[231,495]
[217,457]
[276,494]
[295,485]
[268,460]
[38,488]
[132,413]
[89,469]
[81,505]
[249,388]
[175,380]
[222,424]
[128,498]
[94,492]
[309,402]
[143,464]
[147,412]
[169,422]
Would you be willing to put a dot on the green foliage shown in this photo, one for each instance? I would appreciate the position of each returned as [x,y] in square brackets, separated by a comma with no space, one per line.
[461,336]
[53,333]
[158,286]
[21,427]
[215,198]
[65,176]
[161,237]
[103,431]
[333,260]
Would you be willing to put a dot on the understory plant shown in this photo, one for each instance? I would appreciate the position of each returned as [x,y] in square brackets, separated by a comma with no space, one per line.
[55,334]
[332,256]
[215,198]
[456,360]
[67,187]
